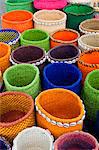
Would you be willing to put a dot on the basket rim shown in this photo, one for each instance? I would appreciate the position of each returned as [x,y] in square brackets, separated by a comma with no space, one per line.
[19,3]
[23,118]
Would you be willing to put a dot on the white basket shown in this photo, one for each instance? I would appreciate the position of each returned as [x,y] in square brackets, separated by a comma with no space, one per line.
[34,138]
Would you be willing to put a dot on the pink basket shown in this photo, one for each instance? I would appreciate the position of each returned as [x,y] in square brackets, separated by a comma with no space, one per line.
[50,4]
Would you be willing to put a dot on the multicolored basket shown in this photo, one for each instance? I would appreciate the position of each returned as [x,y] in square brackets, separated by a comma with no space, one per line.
[16,113]
[1,81]
[49,20]
[88,62]
[23,77]
[88,42]
[64,36]
[35,37]
[64,53]
[76,13]
[19,20]
[91,94]
[33,138]
[5,50]
[62,75]
[11,37]
[4,144]
[76,140]
[60,111]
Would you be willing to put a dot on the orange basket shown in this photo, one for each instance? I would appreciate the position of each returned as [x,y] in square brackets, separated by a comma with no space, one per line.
[19,20]
[60,111]
[16,113]
[5,50]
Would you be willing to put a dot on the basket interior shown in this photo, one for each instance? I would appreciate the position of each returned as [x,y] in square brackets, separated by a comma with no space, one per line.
[91,25]
[3,50]
[18,1]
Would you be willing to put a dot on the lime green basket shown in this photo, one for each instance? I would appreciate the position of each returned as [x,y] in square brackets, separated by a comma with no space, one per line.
[20,5]
[23,78]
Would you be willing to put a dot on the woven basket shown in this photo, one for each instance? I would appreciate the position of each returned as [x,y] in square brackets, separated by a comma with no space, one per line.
[23,77]
[64,36]
[88,62]
[87,2]
[64,53]
[89,26]
[76,140]
[33,138]
[16,113]
[4,144]
[29,54]
[1,81]
[11,37]
[4,56]
[60,111]
[19,20]
[76,13]
[49,20]
[88,42]
[90,92]
[95,5]
[35,37]
[62,75]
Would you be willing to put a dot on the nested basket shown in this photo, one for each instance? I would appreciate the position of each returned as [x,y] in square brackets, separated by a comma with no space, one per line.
[64,36]
[29,54]
[16,113]
[59,110]
[23,77]
[89,26]
[62,75]
[90,94]
[76,13]
[4,144]
[88,62]
[76,140]
[88,42]
[64,53]
[11,37]
[33,138]
[5,50]
[49,20]
[35,37]
[19,20]
[1,81]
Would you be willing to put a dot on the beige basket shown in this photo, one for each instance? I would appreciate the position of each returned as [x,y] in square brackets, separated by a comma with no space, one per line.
[89,42]
[49,20]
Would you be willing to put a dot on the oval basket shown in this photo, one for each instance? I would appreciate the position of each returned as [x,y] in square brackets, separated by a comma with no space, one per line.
[16,113]
[49,20]
[4,144]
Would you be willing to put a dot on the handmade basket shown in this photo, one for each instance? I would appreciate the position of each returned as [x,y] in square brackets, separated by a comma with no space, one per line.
[4,144]
[1,81]
[95,5]
[64,36]
[49,20]
[87,2]
[89,26]
[33,138]
[76,140]
[90,92]
[88,62]
[19,5]
[64,53]
[29,54]
[16,113]
[88,42]
[4,56]
[50,4]
[19,20]
[35,37]
[11,37]
[23,77]
[62,75]
[60,111]
[76,13]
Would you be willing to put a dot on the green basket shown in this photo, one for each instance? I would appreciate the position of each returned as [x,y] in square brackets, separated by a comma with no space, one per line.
[35,37]
[90,94]
[76,13]
[23,78]
[20,5]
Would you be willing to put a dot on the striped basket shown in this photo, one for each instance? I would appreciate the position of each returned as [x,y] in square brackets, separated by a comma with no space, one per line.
[33,138]
[4,144]
[49,20]
[60,111]
[11,37]
[16,113]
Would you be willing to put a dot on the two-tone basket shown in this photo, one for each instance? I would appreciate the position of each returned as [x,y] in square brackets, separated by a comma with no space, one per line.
[4,144]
